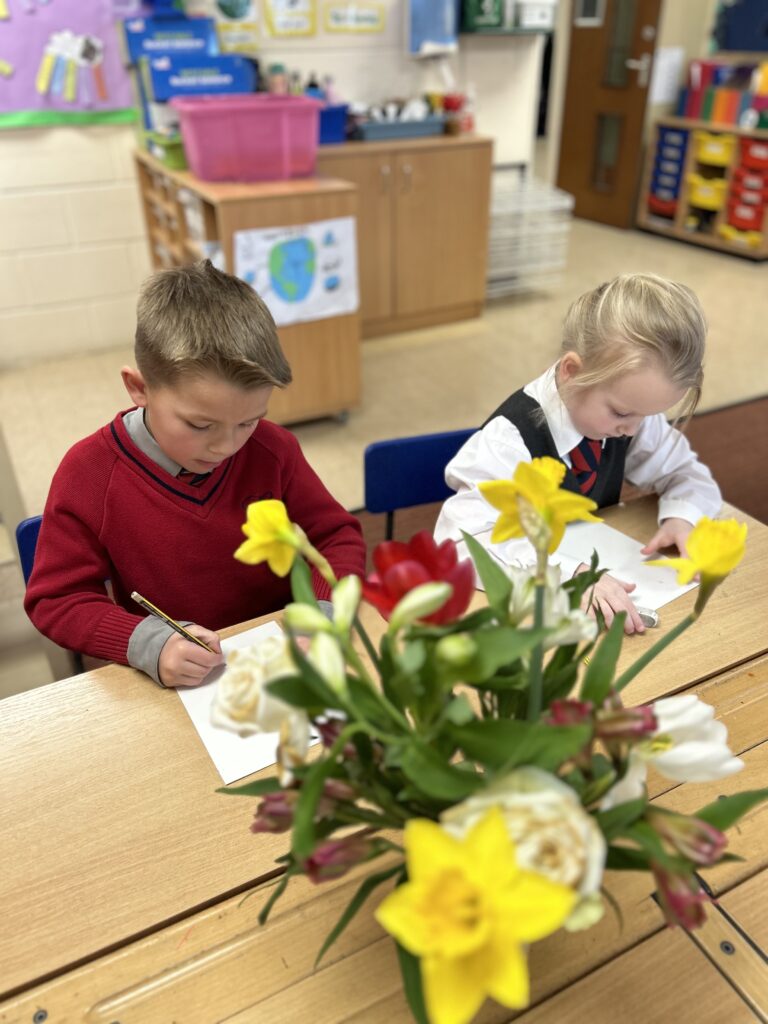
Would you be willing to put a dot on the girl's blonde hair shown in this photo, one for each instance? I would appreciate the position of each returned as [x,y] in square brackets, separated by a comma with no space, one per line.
[631,322]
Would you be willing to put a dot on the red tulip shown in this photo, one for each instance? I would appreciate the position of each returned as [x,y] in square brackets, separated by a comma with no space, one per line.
[402,567]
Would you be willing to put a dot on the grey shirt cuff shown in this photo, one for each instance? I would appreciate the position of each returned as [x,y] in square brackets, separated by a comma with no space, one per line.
[146,642]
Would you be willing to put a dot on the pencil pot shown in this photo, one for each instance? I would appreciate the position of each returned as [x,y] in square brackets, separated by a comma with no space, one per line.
[253,137]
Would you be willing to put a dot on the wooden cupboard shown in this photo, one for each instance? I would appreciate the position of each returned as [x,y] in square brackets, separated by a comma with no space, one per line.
[422,227]
[188,219]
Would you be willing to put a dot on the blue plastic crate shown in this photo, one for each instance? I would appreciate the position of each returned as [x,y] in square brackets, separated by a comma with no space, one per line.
[333,123]
[373,131]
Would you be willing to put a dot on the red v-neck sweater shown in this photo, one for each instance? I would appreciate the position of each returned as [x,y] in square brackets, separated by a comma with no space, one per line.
[112,513]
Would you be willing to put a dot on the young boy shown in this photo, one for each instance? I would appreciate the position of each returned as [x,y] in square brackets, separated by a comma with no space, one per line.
[155,500]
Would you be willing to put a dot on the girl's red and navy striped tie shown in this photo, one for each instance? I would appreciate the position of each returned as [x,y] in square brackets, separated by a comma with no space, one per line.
[585,460]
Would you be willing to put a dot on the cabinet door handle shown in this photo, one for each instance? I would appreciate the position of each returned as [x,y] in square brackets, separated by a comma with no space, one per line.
[407,177]
[385,172]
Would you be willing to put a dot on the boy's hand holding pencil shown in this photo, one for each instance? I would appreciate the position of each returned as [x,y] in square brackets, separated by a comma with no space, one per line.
[189,654]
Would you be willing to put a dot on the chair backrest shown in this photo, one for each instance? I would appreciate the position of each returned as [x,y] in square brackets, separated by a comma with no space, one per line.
[408,471]
[26,542]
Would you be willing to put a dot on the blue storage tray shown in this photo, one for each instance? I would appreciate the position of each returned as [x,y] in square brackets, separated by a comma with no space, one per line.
[373,131]
[673,136]
[333,123]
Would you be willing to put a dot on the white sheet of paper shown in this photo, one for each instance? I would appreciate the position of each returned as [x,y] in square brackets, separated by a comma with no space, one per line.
[656,585]
[234,756]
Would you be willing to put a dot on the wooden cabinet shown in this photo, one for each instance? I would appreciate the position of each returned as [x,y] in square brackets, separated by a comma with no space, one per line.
[422,227]
[188,219]
[708,184]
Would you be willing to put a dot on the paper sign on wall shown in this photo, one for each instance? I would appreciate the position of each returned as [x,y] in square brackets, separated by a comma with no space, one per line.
[290,17]
[354,17]
[303,272]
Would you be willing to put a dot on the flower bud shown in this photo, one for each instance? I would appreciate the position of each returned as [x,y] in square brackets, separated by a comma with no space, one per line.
[304,618]
[570,712]
[695,839]
[346,600]
[681,898]
[625,725]
[325,655]
[275,812]
[419,603]
[335,857]
[457,650]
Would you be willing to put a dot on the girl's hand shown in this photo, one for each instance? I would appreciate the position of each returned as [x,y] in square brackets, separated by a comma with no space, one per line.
[183,663]
[611,596]
[673,533]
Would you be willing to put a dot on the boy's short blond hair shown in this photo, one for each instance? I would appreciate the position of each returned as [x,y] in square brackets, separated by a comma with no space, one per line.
[196,319]
[633,321]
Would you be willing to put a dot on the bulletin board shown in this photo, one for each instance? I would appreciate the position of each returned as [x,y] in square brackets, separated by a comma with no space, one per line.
[60,63]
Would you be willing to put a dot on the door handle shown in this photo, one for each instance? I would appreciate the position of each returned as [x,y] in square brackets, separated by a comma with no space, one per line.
[407,177]
[385,172]
[642,67]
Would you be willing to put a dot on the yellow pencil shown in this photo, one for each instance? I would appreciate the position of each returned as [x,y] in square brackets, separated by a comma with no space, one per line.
[153,610]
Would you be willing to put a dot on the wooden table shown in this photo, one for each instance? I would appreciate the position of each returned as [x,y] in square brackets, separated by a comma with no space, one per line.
[124,871]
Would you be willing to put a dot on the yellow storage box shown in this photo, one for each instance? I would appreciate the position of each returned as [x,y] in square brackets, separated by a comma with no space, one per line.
[706,193]
[716,150]
[750,239]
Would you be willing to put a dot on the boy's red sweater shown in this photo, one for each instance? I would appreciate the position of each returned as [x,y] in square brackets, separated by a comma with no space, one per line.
[112,513]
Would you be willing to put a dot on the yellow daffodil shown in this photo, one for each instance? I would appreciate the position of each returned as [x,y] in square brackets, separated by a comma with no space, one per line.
[467,911]
[533,504]
[272,537]
[715,548]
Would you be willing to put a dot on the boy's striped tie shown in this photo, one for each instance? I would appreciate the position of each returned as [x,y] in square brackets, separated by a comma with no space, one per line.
[585,460]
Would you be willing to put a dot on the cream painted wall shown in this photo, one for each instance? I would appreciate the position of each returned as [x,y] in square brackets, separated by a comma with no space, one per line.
[72,246]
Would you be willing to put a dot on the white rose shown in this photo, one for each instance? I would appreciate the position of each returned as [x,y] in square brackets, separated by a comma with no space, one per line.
[552,832]
[242,704]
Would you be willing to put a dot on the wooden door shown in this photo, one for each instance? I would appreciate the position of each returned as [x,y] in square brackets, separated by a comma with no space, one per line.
[441,227]
[609,66]
[373,174]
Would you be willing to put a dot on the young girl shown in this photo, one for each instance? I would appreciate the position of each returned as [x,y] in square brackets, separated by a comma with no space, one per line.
[632,349]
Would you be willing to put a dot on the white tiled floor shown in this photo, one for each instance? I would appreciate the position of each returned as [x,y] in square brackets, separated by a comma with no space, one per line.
[433,379]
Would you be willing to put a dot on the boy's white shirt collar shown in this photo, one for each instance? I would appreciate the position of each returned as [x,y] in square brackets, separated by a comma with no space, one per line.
[134,424]
[544,391]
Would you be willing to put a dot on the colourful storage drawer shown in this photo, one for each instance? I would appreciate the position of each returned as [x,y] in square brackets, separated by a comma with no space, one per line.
[750,239]
[673,137]
[706,193]
[668,182]
[749,196]
[668,167]
[714,149]
[662,207]
[754,154]
[746,218]
[745,178]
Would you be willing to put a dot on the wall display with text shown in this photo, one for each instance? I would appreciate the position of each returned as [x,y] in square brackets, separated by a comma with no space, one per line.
[291,17]
[353,17]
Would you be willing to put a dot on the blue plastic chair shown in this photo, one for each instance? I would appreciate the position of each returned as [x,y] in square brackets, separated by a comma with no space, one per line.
[408,471]
[26,541]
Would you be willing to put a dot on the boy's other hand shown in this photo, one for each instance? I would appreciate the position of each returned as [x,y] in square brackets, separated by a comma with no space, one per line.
[611,596]
[673,533]
[183,663]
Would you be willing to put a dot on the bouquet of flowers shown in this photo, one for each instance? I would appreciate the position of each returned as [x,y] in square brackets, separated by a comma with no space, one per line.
[488,752]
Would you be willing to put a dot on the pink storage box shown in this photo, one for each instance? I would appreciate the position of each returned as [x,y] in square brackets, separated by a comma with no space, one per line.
[253,137]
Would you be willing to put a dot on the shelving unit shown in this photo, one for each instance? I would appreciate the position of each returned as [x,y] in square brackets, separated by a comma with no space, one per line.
[188,219]
[707,184]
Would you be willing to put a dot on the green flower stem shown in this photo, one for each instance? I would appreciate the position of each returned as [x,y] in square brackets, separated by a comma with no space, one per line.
[356,662]
[319,561]
[537,654]
[652,652]
[370,650]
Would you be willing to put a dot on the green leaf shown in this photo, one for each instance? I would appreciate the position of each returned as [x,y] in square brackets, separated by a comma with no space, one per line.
[619,818]
[303,837]
[276,894]
[368,702]
[459,710]
[622,858]
[301,583]
[727,810]
[496,584]
[297,692]
[504,743]
[257,788]
[497,647]
[650,843]
[325,695]
[410,969]
[434,776]
[602,665]
[362,894]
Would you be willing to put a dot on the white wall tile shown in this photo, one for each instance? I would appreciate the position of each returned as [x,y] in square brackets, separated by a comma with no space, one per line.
[11,286]
[102,215]
[31,335]
[33,222]
[76,274]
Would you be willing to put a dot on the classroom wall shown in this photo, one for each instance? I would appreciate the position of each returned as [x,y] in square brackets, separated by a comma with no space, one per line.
[72,249]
